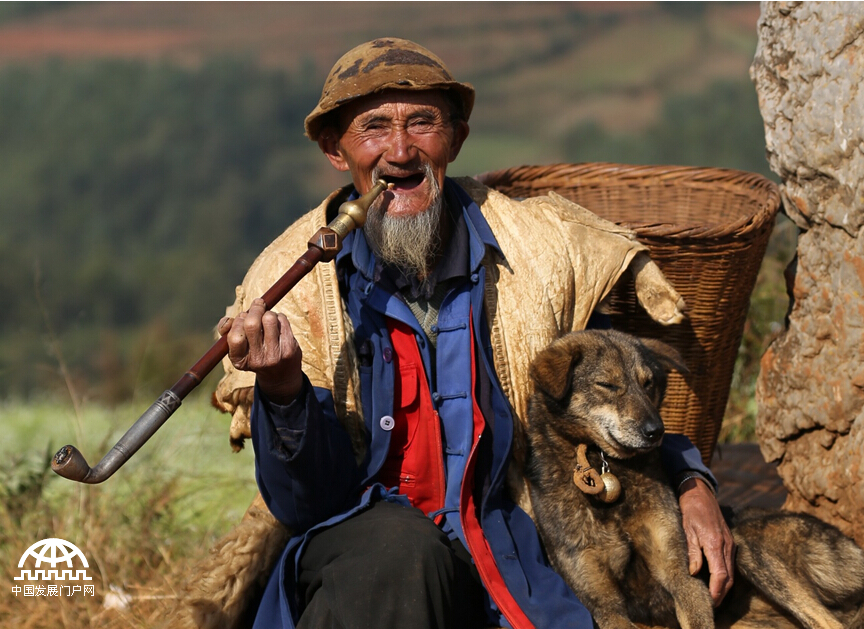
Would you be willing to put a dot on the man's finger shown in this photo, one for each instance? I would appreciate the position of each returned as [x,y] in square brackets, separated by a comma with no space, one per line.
[721,574]
[694,551]
[271,351]
[254,330]
[224,325]
[238,346]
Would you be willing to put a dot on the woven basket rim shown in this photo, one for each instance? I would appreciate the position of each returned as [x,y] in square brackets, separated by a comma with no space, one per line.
[765,194]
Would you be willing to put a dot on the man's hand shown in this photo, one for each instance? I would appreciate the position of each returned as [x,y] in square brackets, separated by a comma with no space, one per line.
[261,341]
[707,533]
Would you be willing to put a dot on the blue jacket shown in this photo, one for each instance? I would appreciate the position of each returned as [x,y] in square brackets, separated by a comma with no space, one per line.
[306,469]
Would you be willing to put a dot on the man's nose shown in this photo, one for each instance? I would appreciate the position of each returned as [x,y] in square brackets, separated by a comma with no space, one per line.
[400,146]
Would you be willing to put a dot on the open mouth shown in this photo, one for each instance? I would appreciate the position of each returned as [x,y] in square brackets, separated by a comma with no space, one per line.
[408,182]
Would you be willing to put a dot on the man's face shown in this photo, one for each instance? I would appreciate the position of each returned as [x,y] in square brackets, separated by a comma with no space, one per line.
[400,136]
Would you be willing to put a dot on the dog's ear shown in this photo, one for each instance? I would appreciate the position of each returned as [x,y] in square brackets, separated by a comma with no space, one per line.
[666,355]
[551,369]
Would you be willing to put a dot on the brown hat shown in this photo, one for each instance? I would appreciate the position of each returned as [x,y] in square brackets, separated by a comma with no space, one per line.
[387,63]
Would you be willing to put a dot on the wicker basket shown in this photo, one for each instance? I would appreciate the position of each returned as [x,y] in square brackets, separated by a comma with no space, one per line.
[707,229]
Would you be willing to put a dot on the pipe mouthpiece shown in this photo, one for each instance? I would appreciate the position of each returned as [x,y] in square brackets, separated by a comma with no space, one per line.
[352,214]
[358,208]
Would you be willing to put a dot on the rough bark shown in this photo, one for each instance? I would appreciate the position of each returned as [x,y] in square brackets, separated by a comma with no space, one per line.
[809,72]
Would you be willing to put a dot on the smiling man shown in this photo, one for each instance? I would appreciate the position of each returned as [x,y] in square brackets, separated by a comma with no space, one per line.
[388,388]
[408,138]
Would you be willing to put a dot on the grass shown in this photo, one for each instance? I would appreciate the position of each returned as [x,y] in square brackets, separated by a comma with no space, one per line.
[141,530]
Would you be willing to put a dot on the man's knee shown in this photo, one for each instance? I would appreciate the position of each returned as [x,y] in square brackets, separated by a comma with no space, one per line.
[402,540]
[392,552]
[413,546]
[386,540]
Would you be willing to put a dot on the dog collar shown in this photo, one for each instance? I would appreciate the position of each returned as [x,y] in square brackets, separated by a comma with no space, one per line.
[604,486]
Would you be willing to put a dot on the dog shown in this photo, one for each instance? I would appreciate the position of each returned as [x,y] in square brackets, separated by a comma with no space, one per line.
[616,536]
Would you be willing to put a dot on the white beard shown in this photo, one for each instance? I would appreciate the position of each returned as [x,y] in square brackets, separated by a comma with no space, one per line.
[410,243]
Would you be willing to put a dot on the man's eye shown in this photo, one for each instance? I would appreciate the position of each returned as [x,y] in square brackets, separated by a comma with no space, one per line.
[421,126]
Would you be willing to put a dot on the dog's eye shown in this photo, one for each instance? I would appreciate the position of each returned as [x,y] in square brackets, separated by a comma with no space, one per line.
[607,385]
[648,383]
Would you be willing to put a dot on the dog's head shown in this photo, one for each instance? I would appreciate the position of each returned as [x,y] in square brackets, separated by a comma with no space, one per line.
[605,387]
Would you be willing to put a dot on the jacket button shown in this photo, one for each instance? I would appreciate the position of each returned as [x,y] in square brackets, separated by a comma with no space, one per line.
[388,355]
[387,423]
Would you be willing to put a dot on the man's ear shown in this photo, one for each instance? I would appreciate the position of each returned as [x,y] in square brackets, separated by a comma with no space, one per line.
[328,142]
[460,132]
[552,368]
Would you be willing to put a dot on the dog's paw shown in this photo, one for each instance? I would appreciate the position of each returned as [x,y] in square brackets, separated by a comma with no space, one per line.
[660,300]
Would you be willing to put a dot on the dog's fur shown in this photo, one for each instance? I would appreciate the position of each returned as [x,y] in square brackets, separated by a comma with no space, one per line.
[627,561]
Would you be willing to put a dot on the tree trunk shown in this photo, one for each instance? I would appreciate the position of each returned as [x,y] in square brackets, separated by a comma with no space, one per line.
[809,74]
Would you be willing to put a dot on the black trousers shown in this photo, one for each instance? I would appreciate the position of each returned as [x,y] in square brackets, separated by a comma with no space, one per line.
[389,567]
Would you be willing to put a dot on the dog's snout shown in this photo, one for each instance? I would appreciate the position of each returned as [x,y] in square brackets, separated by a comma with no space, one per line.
[653,431]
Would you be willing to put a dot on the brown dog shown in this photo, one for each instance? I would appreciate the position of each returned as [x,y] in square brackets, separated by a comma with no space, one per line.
[625,556]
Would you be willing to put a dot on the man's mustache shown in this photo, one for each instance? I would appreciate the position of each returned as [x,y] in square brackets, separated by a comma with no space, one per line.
[383,201]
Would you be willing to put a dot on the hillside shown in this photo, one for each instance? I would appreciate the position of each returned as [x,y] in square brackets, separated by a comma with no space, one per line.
[540,68]
[148,151]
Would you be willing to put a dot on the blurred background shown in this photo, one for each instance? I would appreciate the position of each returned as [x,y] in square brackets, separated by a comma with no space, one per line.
[149,151]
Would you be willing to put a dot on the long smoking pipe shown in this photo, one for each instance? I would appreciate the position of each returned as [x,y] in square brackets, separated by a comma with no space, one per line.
[324,245]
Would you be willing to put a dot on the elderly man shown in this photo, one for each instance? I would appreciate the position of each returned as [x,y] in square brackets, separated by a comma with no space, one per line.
[389,386]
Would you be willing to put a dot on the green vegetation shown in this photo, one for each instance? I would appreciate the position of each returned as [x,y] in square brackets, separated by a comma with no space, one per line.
[134,198]
[141,531]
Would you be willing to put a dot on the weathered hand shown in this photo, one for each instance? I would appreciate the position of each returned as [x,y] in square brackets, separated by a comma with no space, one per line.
[261,341]
[707,533]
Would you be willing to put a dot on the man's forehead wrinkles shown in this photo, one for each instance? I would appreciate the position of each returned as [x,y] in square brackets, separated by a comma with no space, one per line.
[388,115]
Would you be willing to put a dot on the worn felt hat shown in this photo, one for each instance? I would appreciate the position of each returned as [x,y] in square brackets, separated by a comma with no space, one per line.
[386,63]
